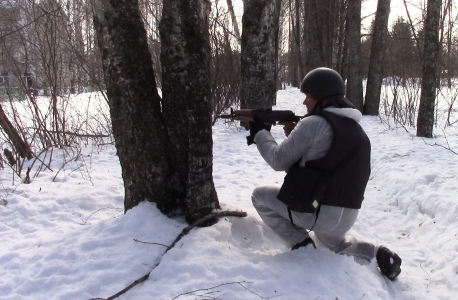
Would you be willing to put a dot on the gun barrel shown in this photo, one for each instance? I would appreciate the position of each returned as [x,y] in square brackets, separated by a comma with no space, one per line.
[273,117]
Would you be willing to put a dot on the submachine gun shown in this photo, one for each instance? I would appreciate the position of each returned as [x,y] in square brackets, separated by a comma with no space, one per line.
[268,116]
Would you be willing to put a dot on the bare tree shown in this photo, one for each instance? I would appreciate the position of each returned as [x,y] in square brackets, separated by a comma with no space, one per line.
[425,120]
[296,64]
[164,146]
[259,53]
[141,139]
[49,33]
[321,19]
[225,73]
[375,75]
[186,100]
[21,146]
[355,76]
[235,25]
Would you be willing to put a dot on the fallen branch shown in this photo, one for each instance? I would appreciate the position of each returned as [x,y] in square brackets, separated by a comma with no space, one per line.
[81,135]
[436,144]
[214,287]
[98,210]
[138,241]
[183,233]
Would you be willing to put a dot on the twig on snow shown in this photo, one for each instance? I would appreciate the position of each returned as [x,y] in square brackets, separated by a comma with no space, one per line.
[425,271]
[216,286]
[85,222]
[210,288]
[183,233]
[436,144]
[262,297]
[138,241]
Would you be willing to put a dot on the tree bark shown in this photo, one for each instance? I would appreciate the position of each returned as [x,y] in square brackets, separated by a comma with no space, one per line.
[321,19]
[186,99]
[375,75]
[20,145]
[355,73]
[164,146]
[295,64]
[425,120]
[259,53]
[313,36]
[341,62]
[140,135]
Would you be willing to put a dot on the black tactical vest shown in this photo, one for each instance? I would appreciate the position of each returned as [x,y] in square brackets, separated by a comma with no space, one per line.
[347,162]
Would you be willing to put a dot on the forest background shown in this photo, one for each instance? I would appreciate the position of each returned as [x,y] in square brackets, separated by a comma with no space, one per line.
[167,70]
[160,122]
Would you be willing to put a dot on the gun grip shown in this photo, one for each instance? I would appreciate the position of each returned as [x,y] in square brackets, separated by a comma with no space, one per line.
[250,140]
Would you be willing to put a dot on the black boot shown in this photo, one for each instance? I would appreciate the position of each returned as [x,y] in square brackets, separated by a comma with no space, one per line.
[388,262]
[304,243]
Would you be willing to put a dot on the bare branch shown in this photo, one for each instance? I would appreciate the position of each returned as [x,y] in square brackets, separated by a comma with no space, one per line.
[138,241]
[436,144]
[29,23]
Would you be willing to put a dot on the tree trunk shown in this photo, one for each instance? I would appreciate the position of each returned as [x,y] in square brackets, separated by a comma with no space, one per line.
[20,145]
[425,120]
[355,73]
[295,65]
[165,148]
[341,61]
[140,135]
[313,38]
[259,53]
[297,43]
[186,99]
[375,75]
[234,21]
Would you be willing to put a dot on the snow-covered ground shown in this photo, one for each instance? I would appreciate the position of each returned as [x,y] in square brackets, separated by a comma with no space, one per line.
[66,237]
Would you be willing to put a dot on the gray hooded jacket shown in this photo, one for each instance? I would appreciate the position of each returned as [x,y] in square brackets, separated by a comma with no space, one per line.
[310,139]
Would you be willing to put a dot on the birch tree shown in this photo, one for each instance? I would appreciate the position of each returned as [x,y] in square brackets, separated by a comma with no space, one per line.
[186,102]
[431,60]
[320,22]
[375,75]
[259,53]
[153,136]
[355,76]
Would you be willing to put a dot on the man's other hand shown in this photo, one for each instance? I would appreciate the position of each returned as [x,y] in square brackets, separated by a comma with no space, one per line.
[288,128]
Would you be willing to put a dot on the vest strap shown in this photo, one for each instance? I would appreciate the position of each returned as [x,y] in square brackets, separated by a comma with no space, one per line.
[306,231]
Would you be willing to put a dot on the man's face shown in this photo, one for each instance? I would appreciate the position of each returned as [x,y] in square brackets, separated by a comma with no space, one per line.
[309,102]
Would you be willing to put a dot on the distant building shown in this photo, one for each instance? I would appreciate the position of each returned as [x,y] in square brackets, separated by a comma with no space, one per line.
[16,65]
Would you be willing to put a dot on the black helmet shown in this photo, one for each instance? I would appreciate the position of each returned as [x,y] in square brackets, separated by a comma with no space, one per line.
[322,83]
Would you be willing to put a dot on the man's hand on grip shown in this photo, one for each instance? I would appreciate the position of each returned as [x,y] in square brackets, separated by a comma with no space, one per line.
[288,128]
[255,127]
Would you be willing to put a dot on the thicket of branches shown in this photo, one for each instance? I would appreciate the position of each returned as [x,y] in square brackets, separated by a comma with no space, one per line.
[48,56]
[53,41]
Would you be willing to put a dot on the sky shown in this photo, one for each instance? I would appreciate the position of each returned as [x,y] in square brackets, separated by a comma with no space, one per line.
[368,7]
[65,235]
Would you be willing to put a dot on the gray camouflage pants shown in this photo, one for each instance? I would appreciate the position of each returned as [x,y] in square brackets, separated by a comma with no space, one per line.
[329,231]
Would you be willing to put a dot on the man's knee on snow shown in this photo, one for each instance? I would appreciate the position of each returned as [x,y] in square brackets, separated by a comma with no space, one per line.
[256,196]
[264,194]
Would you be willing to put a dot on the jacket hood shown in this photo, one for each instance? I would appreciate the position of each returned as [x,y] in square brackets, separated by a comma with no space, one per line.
[352,113]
